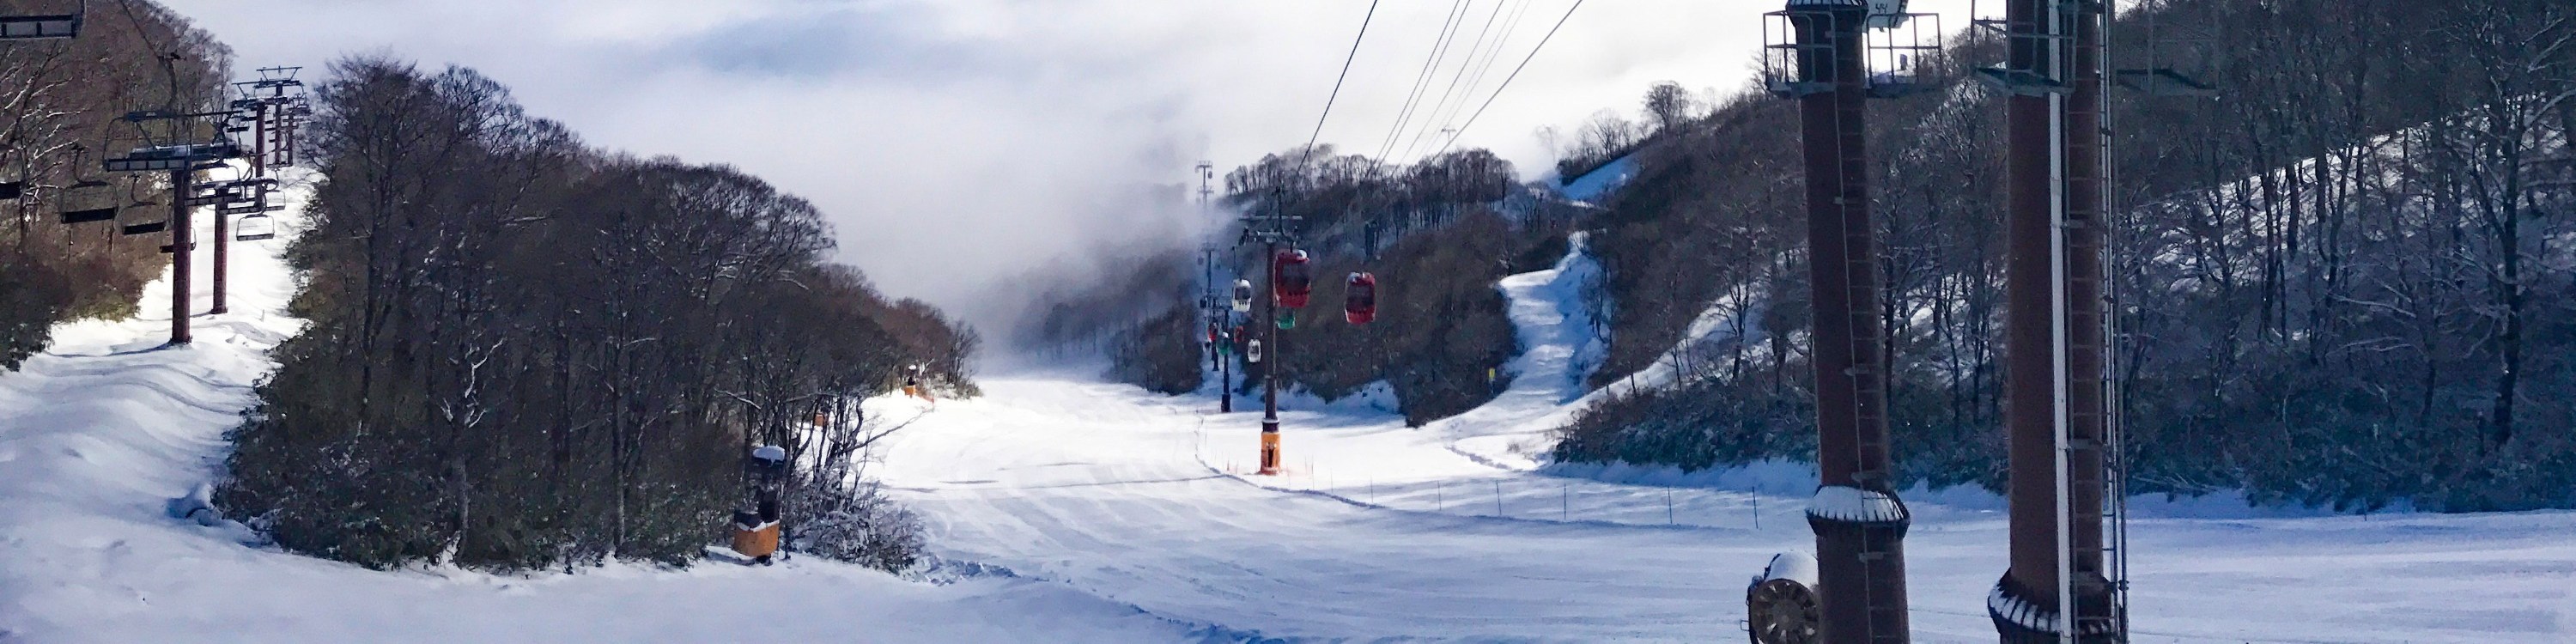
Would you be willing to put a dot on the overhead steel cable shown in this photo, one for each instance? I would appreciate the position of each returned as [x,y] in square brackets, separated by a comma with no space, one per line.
[1507,80]
[1449,114]
[1422,79]
[1309,156]
[1456,76]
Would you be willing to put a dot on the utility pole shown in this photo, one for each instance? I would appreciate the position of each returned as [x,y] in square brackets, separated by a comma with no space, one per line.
[1820,53]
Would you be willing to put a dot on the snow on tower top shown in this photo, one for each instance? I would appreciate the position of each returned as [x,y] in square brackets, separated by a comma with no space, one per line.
[1843,503]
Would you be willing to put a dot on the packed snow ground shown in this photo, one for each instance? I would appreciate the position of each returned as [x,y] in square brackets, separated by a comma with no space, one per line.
[107,425]
[1453,531]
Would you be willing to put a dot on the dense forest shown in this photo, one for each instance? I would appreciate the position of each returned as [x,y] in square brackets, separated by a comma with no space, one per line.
[2346,279]
[59,101]
[526,352]
[1437,234]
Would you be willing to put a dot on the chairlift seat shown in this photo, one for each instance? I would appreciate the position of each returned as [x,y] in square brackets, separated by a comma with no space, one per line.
[146,228]
[89,216]
[255,228]
[40,27]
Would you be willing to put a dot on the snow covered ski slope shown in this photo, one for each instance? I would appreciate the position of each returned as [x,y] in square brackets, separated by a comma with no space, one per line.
[1446,532]
[1078,511]
[106,426]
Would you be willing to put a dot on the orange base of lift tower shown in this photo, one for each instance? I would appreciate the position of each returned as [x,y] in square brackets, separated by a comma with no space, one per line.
[756,541]
[1270,454]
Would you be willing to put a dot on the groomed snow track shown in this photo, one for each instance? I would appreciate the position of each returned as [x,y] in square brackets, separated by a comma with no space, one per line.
[105,426]
[1451,532]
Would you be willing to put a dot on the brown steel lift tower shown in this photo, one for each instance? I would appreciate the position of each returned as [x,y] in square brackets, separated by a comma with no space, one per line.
[269,113]
[2068,523]
[1832,56]
[183,160]
[2057,326]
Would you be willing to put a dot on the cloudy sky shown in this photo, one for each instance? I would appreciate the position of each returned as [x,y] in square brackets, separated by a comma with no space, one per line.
[959,145]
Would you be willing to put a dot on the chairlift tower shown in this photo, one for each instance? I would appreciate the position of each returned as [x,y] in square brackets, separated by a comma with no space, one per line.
[1272,231]
[1213,307]
[2067,580]
[1832,56]
[270,111]
[183,161]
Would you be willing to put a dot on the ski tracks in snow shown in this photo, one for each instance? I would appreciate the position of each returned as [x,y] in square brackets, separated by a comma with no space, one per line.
[1380,532]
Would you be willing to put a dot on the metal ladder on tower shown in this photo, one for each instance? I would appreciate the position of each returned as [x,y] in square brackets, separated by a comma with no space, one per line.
[2115,456]
[2100,562]
[1868,373]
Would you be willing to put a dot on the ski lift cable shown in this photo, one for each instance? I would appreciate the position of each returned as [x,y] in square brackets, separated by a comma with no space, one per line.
[1507,80]
[1309,156]
[1422,79]
[1449,114]
[1474,50]
[168,70]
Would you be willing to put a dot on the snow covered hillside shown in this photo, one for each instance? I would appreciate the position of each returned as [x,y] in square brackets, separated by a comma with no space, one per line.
[1077,511]
[106,426]
[1380,531]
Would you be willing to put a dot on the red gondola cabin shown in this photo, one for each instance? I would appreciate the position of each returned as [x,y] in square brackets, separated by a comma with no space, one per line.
[1359,302]
[1291,279]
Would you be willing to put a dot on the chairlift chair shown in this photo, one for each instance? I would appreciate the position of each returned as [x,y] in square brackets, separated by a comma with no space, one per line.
[255,227]
[44,26]
[88,201]
[145,204]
